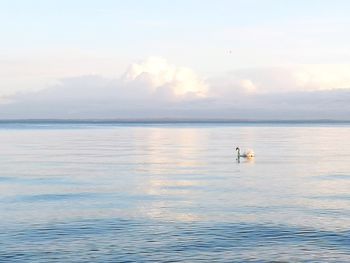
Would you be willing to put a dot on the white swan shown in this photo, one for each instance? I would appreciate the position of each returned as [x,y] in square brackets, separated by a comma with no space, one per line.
[248,154]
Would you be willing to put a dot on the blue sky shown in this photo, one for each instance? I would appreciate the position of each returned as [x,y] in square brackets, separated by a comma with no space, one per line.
[182,31]
[45,42]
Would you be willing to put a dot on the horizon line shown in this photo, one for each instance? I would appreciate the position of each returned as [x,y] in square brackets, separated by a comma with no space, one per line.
[173,120]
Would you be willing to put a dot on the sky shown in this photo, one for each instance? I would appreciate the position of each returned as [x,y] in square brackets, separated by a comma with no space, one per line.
[238,59]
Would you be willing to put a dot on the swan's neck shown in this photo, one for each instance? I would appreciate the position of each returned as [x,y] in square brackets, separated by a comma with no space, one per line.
[238,153]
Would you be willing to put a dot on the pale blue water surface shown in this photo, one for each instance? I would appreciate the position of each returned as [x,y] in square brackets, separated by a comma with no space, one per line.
[174,193]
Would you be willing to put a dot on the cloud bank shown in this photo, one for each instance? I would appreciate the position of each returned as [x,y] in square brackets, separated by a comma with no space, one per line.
[158,75]
[154,88]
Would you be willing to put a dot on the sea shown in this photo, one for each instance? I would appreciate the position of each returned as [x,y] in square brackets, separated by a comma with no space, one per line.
[174,192]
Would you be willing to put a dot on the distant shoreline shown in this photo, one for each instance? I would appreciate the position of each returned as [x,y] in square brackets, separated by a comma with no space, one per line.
[169,121]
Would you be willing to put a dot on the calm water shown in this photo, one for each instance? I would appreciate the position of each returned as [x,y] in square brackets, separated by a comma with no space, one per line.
[172,192]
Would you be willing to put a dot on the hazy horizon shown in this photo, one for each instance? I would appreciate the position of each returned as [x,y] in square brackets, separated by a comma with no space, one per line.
[176,120]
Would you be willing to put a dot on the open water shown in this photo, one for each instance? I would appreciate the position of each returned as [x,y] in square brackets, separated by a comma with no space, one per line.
[94,192]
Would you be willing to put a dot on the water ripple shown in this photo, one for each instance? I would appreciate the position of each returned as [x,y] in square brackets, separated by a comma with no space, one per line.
[149,241]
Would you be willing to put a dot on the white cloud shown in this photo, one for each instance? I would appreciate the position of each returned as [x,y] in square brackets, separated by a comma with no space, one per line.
[281,80]
[155,88]
[157,73]
[248,86]
[322,77]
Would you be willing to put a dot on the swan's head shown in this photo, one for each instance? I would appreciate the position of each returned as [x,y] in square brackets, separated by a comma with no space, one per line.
[237,148]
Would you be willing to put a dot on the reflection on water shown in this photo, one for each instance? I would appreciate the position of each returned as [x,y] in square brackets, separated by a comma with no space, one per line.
[173,192]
